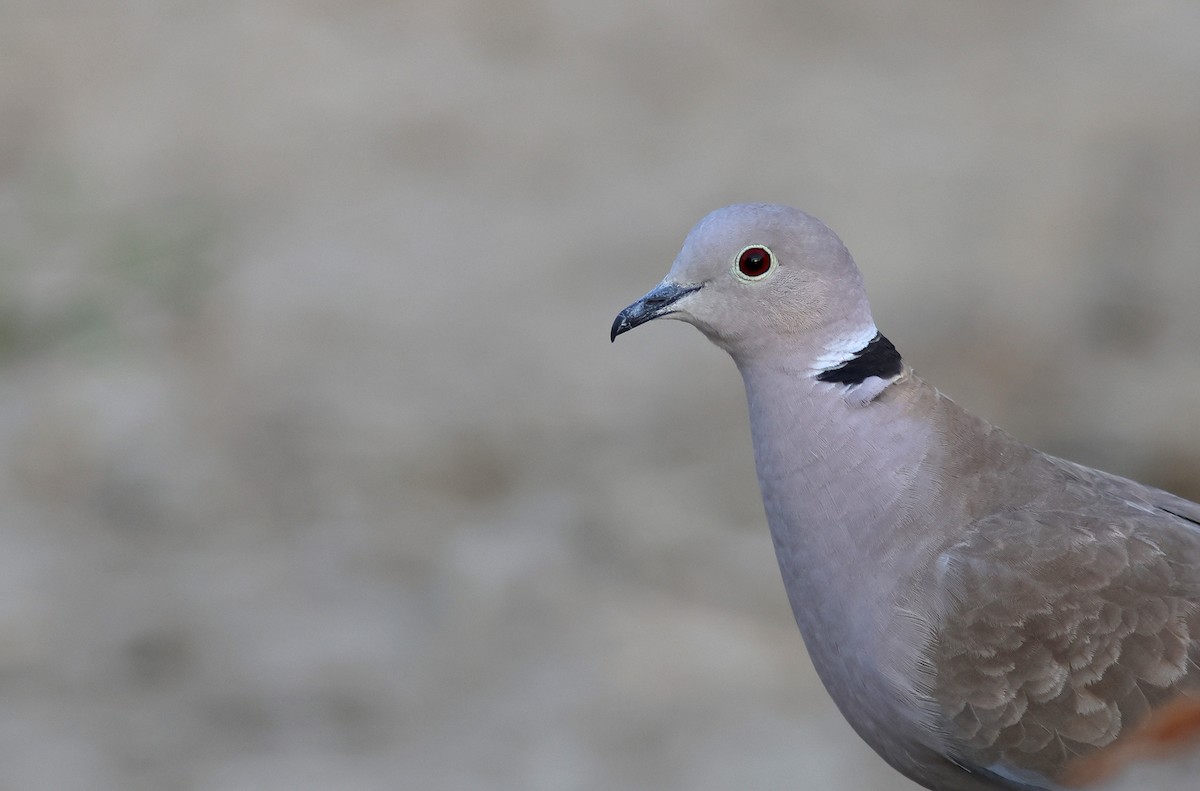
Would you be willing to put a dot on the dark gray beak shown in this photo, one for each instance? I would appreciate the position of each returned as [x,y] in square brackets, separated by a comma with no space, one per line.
[655,304]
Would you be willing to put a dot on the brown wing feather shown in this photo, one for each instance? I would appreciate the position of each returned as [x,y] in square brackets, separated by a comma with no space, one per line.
[1062,627]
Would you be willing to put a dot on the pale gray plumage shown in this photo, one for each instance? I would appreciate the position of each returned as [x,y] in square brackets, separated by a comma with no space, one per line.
[980,611]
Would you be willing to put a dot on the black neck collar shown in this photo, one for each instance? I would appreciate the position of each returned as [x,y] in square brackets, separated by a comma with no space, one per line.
[877,358]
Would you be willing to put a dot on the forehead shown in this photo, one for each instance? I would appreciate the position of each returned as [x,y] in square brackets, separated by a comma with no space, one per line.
[743,224]
[726,231]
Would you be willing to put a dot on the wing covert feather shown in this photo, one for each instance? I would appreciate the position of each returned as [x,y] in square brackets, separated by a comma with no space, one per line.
[1059,628]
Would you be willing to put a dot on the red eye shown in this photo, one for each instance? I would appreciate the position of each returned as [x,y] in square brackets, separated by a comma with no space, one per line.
[754,261]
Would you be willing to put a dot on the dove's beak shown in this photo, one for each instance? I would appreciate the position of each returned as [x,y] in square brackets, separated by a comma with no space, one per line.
[652,306]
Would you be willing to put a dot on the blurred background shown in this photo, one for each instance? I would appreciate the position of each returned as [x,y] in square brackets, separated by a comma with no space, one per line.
[317,469]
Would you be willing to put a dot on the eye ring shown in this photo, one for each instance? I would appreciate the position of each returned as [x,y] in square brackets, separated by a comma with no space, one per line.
[753,262]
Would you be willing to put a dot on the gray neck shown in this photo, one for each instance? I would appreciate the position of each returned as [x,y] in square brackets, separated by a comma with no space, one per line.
[841,489]
[849,488]
[836,473]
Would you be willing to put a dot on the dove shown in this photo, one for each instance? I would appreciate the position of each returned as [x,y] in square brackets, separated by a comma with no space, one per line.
[983,614]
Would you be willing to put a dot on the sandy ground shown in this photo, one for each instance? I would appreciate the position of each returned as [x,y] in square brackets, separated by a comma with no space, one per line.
[317,469]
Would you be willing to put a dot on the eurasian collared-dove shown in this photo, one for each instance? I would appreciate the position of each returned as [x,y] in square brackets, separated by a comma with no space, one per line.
[982,613]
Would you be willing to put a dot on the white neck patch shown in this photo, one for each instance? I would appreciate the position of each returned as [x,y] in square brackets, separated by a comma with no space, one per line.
[843,349]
